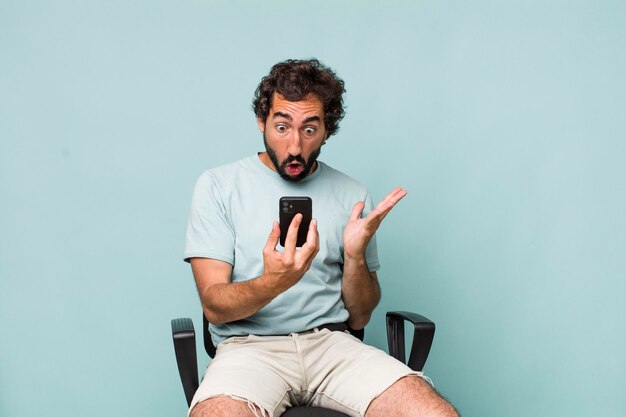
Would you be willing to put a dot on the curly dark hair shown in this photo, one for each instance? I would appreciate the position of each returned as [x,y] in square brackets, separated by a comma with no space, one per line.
[295,79]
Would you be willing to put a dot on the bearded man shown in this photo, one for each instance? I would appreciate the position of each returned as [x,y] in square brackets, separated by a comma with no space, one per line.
[280,316]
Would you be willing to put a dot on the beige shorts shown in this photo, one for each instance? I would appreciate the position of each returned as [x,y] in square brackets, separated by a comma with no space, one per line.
[319,368]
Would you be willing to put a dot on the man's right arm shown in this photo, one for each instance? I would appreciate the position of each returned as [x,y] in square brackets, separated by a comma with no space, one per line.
[221,299]
[224,301]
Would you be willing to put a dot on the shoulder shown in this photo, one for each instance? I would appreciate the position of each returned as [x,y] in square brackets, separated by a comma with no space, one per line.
[341,180]
[229,168]
[226,172]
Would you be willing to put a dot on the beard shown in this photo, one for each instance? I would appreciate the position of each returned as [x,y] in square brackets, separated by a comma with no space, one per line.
[281,167]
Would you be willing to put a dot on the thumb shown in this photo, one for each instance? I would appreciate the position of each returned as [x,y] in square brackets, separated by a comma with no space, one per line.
[357,210]
[272,240]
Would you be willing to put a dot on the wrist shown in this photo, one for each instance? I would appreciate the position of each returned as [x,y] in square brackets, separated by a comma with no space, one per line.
[358,259]
[273,284]
[267,286]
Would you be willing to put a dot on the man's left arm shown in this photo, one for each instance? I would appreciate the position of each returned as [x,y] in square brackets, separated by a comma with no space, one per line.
[360,292]
[360,289]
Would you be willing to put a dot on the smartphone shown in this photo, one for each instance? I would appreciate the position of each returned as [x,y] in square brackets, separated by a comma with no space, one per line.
[288,208]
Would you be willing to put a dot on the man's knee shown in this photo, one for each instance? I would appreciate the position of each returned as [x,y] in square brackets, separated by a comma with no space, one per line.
[223,407]
[411,396]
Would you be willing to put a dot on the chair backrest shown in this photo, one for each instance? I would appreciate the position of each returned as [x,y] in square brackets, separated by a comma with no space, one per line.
[206,336]
[210,348]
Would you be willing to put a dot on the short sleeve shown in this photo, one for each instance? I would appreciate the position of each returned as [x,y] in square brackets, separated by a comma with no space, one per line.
[209,230]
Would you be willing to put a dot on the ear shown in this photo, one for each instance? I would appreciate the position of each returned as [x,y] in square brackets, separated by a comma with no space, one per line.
[261,124]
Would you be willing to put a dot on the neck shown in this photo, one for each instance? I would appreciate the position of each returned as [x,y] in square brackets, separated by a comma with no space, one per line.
[264,157]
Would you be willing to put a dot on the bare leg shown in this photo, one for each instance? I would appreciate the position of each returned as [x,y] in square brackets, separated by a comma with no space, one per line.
[224,407]
[410,396]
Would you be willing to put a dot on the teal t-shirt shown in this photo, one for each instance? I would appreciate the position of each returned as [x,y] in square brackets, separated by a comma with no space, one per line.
[232,211]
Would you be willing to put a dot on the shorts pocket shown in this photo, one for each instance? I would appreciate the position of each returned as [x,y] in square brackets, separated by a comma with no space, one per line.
[235,340]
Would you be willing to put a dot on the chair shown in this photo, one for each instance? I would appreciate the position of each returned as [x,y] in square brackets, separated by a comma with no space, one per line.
[185,348]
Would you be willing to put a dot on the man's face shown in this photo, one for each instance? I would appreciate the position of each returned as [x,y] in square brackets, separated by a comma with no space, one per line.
[293,135]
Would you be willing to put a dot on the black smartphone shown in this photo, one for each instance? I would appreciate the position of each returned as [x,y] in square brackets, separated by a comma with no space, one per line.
[288,208]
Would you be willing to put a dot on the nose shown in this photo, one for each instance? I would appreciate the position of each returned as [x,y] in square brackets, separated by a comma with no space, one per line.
[295,144]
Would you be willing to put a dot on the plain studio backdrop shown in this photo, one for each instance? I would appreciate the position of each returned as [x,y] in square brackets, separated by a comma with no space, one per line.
[503,120]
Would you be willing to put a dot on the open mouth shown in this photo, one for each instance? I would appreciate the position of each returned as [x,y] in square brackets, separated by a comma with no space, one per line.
[294,168]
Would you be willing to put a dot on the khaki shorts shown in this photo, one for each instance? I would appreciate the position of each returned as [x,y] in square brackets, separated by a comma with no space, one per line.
[319,368]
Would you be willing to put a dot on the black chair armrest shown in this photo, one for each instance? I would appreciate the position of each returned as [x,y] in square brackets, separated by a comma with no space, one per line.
[424,331]
[185,348]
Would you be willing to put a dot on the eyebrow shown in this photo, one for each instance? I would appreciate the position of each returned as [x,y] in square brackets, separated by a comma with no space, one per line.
[312,119]
[281,114]
[288,117]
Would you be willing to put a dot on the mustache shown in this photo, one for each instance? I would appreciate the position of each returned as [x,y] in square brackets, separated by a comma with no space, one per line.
[291,158]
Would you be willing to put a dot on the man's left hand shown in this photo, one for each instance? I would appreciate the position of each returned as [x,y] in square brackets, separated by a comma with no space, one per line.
[359,231]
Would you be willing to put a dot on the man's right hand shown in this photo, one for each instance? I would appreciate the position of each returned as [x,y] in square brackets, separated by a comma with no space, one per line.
[282,270]
[224,301]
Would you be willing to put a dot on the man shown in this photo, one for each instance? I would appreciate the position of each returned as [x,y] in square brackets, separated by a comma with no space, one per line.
[276,313]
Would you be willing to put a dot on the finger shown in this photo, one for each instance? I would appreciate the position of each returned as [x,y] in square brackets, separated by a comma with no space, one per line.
[292,234]
[312,238]
[393,197]
[383,208]
[357,209]
[273,238]
[317,238]
[312,245]
[400,194]
[389,202]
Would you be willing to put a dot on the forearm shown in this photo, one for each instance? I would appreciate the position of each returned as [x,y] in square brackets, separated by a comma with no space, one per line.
[227,302]
[360,291]
[224,301]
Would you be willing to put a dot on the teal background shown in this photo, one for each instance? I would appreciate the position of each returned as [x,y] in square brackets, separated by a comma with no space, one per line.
[504,121]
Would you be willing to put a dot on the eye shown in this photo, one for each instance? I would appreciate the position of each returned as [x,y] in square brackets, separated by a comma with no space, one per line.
[309,130]
[281,128]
